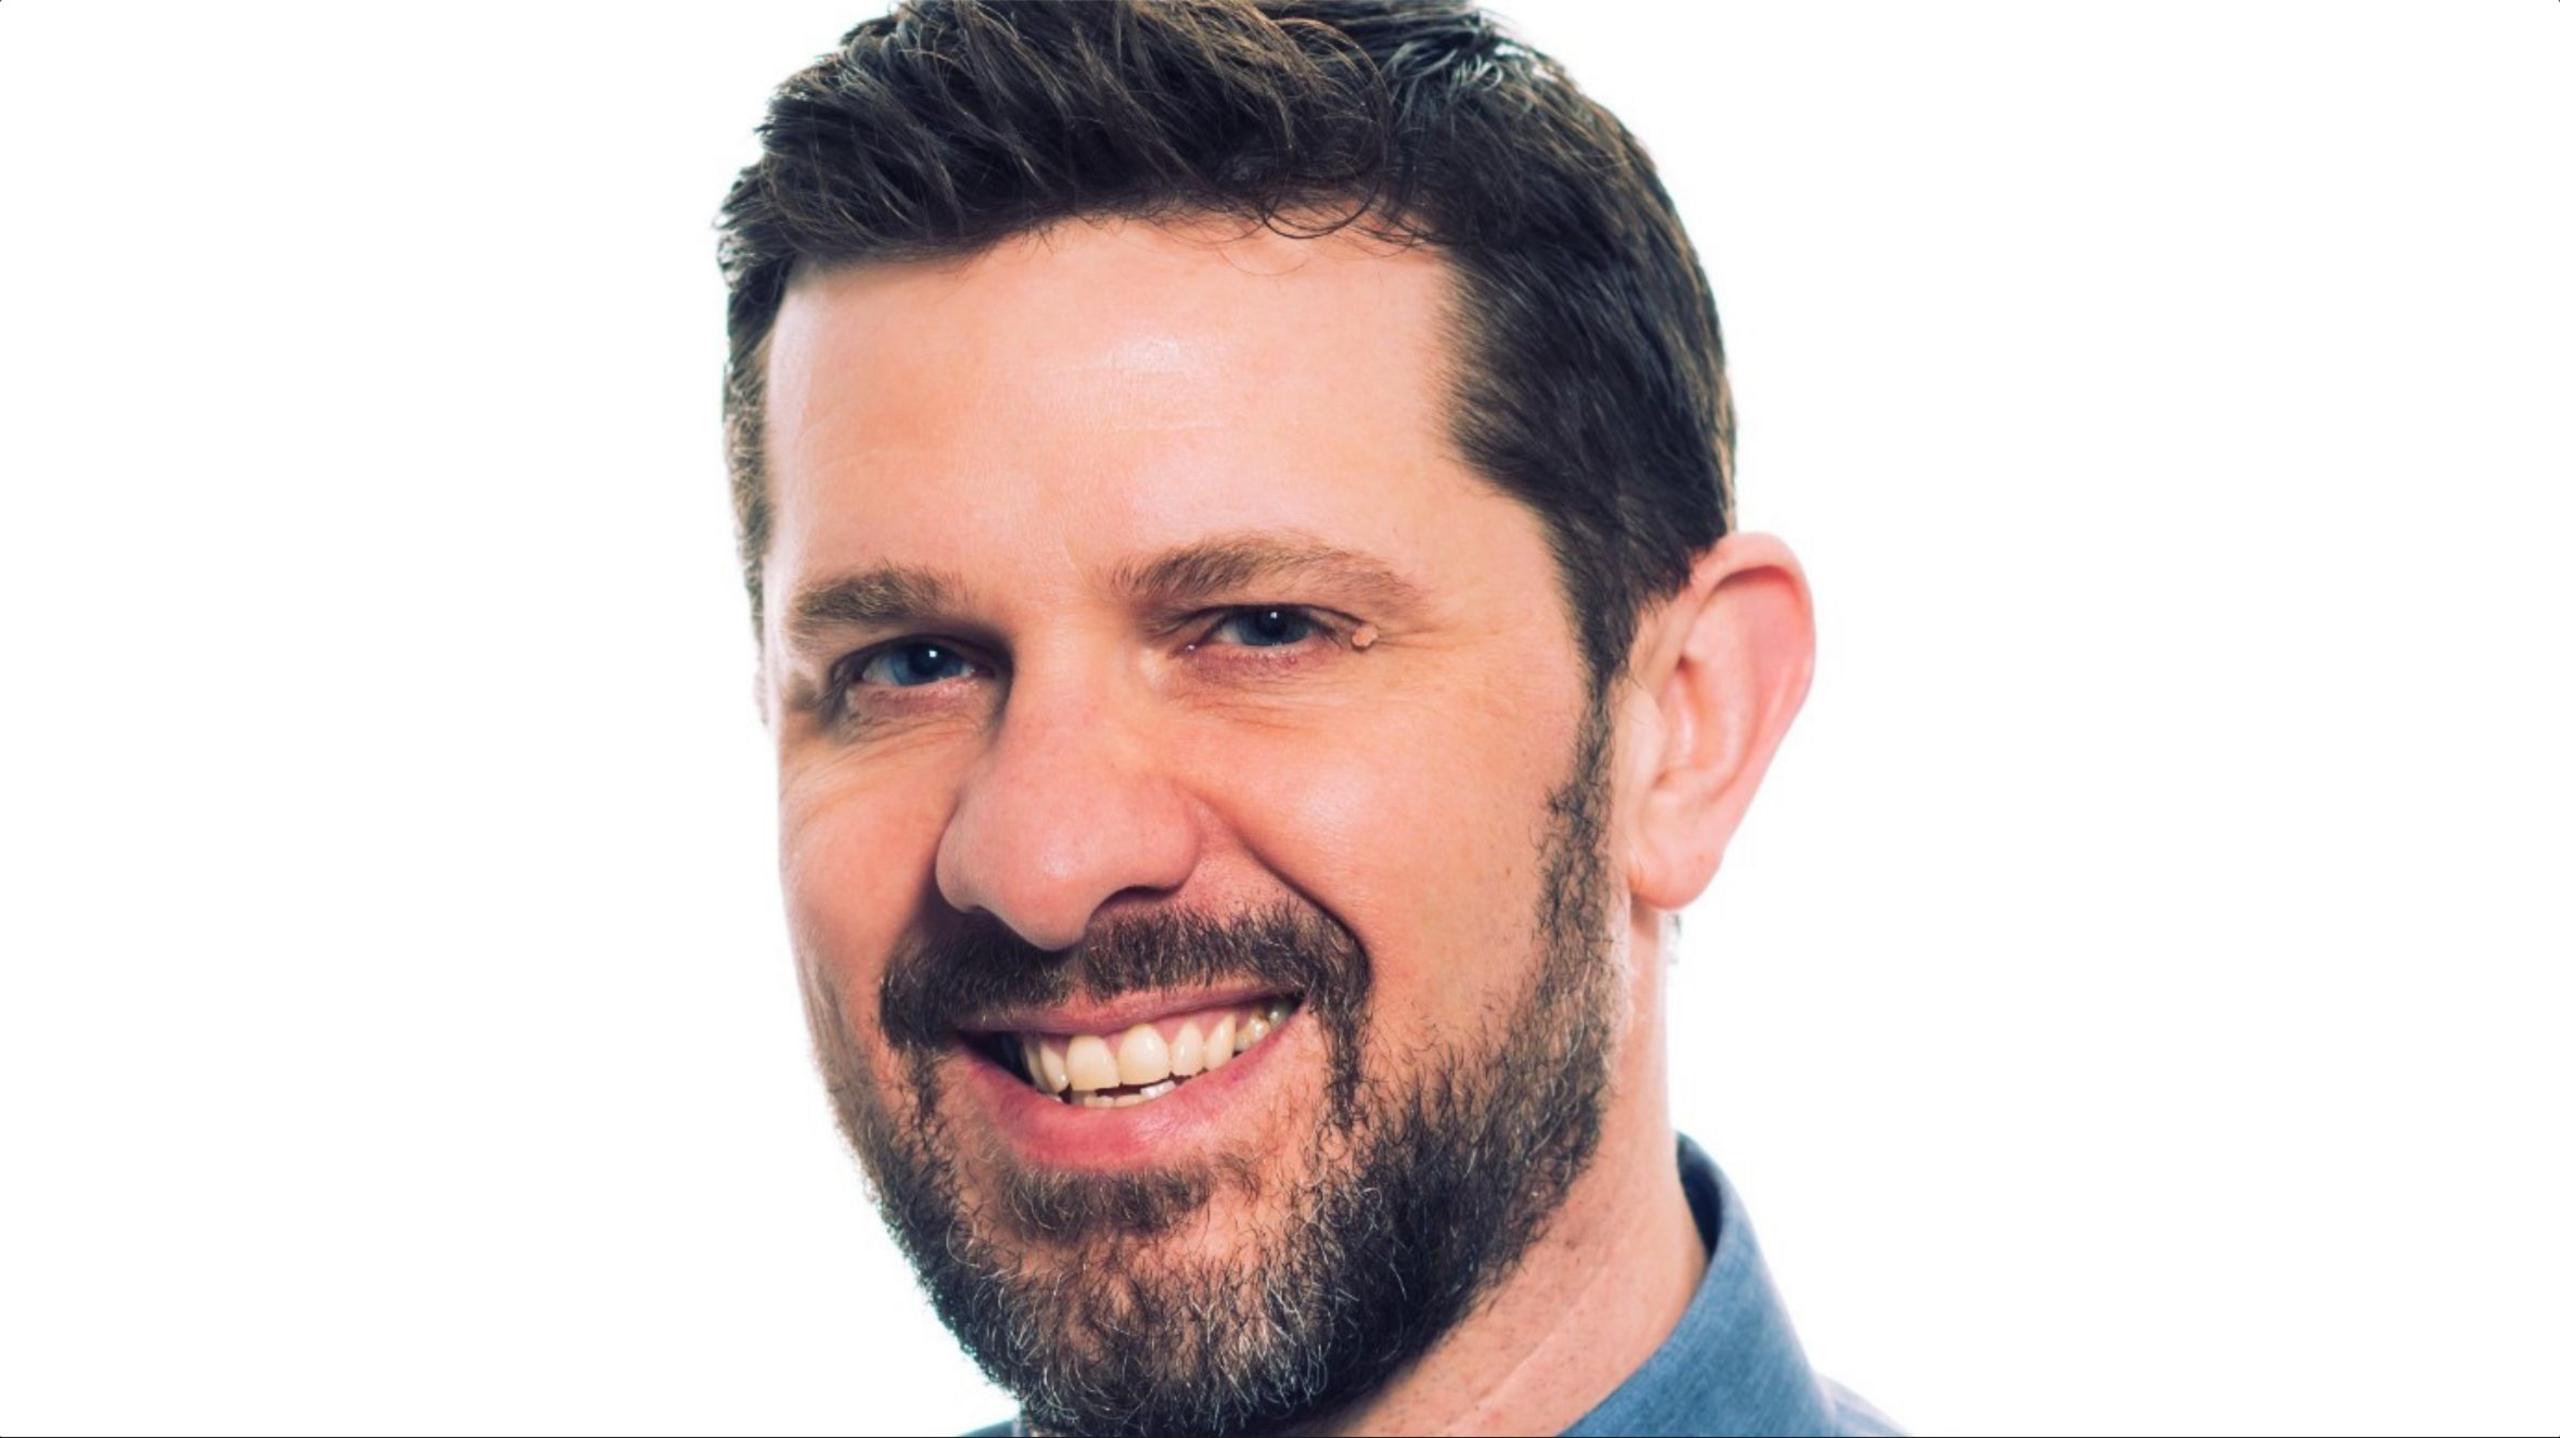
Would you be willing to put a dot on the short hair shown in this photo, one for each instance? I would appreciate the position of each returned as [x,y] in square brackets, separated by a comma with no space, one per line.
[1588,370]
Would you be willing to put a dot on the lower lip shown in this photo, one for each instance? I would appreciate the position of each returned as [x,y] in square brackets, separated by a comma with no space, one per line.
[1186,1122]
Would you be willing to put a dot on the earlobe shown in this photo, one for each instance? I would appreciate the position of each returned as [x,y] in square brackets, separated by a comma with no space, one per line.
[1724,666]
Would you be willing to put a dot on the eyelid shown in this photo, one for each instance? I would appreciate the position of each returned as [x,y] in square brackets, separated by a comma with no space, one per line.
[1328,625]
[843,674]
[891,651]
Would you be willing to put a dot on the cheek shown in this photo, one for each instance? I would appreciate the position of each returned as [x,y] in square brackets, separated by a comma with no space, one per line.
[1421,832]
[857,866]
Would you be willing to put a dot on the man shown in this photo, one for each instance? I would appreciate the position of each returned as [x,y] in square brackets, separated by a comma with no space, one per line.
[1235,502]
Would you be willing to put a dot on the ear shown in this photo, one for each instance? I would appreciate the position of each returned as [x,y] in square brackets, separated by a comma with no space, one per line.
[1720,670]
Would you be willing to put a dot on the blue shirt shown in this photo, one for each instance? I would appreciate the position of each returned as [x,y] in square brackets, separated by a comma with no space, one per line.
[1732,1365]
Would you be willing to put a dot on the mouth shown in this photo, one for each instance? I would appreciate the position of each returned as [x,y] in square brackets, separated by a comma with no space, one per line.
[1090,1066]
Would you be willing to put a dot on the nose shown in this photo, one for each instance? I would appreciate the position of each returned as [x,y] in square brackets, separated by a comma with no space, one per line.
[1070,808]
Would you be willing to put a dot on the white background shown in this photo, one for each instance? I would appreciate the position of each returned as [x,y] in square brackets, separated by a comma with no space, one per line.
[2130,1007]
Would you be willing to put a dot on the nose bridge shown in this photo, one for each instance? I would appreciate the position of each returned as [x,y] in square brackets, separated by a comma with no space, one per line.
[1069,807]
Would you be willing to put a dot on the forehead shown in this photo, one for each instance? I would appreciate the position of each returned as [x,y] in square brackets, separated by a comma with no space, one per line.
[1104,387]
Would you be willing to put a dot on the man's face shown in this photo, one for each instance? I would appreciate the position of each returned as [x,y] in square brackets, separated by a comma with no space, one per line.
[1141,654]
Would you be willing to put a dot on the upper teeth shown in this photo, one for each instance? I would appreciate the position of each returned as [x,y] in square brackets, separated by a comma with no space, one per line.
[1150,1057]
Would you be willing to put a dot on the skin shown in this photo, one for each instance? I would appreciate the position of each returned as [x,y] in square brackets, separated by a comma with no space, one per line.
[1037,419]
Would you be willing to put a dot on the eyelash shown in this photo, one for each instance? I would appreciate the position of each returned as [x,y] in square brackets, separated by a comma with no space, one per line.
[844,676]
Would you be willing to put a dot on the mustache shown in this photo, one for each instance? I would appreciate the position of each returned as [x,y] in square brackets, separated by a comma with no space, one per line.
[975,965]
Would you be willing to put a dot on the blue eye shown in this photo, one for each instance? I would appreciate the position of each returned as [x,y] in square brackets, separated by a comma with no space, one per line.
[913,663]
[1267,628]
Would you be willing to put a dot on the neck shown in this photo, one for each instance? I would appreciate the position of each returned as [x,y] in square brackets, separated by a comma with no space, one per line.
[1599,1291]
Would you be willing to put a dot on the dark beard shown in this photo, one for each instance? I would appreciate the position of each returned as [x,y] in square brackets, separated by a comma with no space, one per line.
[1415,1202]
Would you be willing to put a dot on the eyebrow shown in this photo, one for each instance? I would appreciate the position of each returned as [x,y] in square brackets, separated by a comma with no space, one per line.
[880,598]
[1223,564]
[895,595]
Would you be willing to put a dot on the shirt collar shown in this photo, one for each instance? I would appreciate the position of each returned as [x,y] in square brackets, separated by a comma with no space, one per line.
[1733,1364]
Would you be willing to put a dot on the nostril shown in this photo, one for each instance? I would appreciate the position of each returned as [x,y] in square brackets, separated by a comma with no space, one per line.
[1057,825]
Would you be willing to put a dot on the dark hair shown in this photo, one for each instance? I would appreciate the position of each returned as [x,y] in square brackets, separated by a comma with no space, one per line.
[1589,371]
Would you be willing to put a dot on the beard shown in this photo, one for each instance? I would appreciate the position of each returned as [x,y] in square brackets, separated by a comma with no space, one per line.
[1416,1193]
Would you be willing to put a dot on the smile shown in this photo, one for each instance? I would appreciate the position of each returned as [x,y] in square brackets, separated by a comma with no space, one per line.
[1140,1062]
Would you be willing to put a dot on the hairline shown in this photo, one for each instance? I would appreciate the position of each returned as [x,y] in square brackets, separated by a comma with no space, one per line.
[1459,333]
